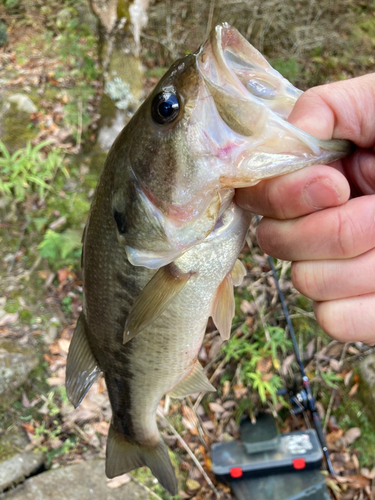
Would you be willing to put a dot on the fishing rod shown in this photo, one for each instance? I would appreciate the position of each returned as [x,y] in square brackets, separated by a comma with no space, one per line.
[308,398]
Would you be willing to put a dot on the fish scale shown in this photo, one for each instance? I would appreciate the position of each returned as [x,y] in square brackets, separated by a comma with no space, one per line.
[163,235]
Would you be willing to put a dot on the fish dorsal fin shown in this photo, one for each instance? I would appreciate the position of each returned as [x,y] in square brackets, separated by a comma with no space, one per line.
[124,456]
[154,299]
[196,381]
[223,307]
[81,367]
[238,273]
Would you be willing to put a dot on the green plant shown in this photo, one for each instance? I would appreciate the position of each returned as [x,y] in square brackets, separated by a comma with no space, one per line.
[60,248]
[28,170]
[264,385]
[251,353]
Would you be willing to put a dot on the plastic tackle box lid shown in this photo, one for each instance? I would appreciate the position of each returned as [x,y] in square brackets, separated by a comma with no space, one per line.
[297,451]
[308,485]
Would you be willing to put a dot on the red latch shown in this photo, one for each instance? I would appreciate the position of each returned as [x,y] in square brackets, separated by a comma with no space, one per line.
[299,463]
[236,472]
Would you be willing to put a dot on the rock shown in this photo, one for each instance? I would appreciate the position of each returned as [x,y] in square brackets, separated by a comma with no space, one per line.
[16,363]
[83,481]
[20,466]
[12,442]
[366,369]
[23,103]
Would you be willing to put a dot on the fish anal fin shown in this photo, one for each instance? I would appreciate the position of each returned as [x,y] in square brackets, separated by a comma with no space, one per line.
[81,367]
[124,456]
[238,273]
[223,307]
[155,298]
[196,381]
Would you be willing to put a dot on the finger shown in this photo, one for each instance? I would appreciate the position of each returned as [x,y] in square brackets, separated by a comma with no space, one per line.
[296,194]
[360,169]
[344,110]
[348,320]
[334,233]
[335,279]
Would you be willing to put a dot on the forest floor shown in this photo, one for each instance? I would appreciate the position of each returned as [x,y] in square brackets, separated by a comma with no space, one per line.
[41,292]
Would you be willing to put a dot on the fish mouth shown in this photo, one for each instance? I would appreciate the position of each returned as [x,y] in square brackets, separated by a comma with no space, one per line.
[231,65]
[254,101]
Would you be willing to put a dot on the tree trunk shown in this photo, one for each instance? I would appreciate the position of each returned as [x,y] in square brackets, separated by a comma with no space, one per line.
[120,25]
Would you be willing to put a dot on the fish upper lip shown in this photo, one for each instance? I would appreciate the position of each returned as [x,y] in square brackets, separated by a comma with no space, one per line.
[230,63]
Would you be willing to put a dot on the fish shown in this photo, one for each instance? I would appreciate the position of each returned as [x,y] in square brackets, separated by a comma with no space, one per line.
[163,235]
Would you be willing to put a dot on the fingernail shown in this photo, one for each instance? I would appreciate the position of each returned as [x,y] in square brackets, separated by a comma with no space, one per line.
[320,193]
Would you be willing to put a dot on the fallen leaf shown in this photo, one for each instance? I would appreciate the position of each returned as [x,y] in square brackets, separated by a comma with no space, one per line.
[118,481]
[64,345]
[332,437]
[354,389]
[101,427]
[226,388]
[264,365]
[286,363]
[192,485]
[56,381]
[216,407]
[239,390]
[9,318]
[351,435]
[347,378]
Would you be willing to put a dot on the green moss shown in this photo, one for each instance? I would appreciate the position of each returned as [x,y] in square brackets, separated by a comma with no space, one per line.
[289,68]
[351,414]
[16,129]
[127,68]
[7,450]
[12,306]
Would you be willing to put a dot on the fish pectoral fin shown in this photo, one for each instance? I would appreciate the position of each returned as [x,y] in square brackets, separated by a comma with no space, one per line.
[81,367]
[123,456]
[238,273]
[155,298]
[196,381]
[223,307]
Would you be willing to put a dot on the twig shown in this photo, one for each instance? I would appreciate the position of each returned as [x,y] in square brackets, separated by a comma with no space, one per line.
[154,39]
[210,17]
[329,409]
[343,354]
[79,135]
[361,354]
[85,437]
[146,488]
[190,453]
[200,428]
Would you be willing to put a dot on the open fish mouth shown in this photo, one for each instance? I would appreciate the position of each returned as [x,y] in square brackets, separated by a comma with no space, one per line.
[229,63]
[254,101]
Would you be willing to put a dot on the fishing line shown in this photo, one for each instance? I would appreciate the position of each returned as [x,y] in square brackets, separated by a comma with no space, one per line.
[305,380]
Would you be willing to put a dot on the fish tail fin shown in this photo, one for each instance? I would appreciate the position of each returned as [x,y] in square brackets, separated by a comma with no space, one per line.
[124,456]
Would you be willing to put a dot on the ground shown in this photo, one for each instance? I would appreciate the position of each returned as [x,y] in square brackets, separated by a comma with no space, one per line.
[50,57]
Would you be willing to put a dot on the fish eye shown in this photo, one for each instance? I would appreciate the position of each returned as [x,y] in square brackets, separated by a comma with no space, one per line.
[165,108]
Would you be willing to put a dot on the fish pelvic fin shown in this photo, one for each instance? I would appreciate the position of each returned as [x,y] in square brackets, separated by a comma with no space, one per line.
[223,307]
[196,381]
[124,456]
[81,367]
[155,298]
[238,273]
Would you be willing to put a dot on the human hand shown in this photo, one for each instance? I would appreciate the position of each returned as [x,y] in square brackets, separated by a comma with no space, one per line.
[310,220]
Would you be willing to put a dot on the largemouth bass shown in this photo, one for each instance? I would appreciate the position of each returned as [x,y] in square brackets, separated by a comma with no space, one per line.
[161,243]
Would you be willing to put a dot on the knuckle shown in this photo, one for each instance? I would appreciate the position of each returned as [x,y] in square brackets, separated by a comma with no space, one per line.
[346,229]
[309,279]
[333,319]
